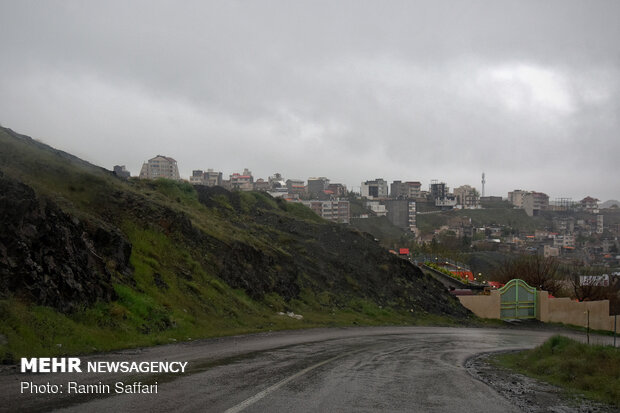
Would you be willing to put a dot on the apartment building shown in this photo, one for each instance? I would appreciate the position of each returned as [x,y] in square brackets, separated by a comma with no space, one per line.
[197,177]
[316,186]
[438,190]
[160,167]
[405,190]
[440,194]
[516,197]
[335,211]
[540,201]
[377,188]
[208,178]
[295,186]
[563,224]
[531,201]
[467,197]
[401,213]
[337,190]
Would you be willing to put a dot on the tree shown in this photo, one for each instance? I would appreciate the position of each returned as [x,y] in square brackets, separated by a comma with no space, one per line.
[591,286]
[535,270]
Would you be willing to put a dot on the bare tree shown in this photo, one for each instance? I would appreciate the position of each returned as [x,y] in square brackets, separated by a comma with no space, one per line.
[535,270]
[588,284]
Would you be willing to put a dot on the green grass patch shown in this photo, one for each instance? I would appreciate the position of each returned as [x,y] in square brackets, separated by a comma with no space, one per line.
[300,211]
[593,371]
[180,192]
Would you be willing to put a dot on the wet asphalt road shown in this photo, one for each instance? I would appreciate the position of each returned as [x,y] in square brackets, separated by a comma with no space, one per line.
[383,369]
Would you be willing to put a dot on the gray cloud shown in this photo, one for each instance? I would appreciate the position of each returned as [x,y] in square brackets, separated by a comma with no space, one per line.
[528,92]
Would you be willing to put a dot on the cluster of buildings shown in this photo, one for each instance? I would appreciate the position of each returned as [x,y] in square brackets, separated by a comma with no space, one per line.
[534,202]
[398,201]
[402,201]
[319,194]
[463,197]
[577,233]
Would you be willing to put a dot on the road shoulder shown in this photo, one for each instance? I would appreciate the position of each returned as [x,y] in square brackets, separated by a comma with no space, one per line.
[528,394]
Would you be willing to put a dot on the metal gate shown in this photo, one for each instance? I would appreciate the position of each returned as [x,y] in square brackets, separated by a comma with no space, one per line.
[518,300]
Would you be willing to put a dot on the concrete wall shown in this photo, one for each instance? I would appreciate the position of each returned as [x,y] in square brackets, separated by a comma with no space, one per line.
[484,306]
[398,212]
[564,310]
[554,310]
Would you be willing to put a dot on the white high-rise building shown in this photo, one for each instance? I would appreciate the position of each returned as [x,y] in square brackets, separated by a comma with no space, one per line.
[160,167]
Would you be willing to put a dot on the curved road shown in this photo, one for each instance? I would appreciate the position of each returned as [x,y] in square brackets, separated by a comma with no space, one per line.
[395,369]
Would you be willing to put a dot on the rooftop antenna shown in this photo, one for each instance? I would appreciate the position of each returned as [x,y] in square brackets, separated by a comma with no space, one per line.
[484,181]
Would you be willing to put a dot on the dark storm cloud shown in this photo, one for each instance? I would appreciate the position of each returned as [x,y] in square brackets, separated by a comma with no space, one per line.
[526,91]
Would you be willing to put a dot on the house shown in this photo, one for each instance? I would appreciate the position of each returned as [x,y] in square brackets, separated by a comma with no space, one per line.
[121,171]
[588,203]
[242,181]
[377,208]
[262,185]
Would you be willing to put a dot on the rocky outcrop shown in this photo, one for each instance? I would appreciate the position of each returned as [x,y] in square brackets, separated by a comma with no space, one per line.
[51,258]
[319,257]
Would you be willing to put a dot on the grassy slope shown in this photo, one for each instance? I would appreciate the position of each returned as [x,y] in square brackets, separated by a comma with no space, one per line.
[381,228]
[578,368]
[174,294]
[514,218]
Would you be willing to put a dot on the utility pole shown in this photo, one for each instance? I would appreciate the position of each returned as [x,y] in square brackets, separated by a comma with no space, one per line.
[588,326]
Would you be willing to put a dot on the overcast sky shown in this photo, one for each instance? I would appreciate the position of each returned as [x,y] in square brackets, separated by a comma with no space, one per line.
[526,91]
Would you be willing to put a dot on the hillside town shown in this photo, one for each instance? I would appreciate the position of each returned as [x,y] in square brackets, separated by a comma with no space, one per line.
[584,231]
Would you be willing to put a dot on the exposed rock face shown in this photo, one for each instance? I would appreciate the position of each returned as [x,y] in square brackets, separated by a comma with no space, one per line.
[321,257]
[51,258]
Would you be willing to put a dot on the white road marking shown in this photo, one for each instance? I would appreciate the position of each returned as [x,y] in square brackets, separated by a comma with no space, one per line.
[248,402]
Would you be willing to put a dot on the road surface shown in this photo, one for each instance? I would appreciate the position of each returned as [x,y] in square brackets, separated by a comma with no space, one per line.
[381,369]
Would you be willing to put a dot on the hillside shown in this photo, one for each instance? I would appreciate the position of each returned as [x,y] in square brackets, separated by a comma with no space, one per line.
[502,215]
[382,229]
[91,262]
[612,203]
